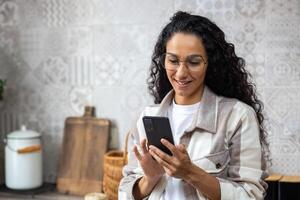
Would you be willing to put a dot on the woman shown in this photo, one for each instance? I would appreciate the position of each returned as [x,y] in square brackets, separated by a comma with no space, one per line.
[203,88]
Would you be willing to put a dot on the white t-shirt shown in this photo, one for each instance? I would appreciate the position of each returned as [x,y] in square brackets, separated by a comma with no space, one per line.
[180,117]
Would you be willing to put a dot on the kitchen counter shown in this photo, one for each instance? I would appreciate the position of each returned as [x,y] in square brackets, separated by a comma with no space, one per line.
[47,192]
[43,196]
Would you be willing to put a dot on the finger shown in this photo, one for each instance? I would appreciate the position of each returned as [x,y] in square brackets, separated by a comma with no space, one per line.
[169,171]
[159,159]
[144,146]
[137,153]
[170,146]
[161,154]
[181,147]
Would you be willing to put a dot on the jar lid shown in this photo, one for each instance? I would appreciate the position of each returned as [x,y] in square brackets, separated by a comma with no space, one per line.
[23,133]
[96,196]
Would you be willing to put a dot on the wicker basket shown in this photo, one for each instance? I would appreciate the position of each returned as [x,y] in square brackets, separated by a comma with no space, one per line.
[114,162]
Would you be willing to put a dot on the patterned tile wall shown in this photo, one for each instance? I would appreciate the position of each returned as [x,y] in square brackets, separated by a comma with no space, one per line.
[58,56]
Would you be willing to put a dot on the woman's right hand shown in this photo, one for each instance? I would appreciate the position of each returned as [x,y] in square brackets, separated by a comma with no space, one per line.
[152,172]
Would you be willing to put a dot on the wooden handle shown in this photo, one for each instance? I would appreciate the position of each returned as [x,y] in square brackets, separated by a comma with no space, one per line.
[290,179]
[89,111]
[274,177]
[125,148]
[30,149]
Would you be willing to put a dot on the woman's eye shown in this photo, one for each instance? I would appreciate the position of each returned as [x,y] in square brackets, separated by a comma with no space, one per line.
[173,61]
[194,63]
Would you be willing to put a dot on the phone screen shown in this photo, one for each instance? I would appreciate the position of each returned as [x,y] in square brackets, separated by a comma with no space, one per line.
[157,128]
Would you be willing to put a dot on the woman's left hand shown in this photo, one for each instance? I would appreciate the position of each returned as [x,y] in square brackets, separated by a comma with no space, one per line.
[177,165]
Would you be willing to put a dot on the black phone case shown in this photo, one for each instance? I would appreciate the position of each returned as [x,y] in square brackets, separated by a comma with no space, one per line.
[157,128]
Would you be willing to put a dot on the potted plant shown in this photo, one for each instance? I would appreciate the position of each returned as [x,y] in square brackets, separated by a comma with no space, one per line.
[2,84]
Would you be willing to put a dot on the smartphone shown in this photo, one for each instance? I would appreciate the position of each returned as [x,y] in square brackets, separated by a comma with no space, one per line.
[157,128]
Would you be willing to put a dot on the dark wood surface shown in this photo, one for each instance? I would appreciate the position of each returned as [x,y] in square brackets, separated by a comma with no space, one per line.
[43,196]
[281,187]
[46,192]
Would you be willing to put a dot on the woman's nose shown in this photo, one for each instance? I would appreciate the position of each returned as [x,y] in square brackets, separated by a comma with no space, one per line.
[182,69]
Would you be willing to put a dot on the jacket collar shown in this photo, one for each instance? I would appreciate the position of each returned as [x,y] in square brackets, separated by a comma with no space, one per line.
[206,117]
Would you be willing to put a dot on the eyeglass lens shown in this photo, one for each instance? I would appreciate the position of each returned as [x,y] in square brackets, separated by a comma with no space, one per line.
[193,62]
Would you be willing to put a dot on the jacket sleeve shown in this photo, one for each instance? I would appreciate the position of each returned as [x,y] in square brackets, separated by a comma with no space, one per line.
[247,170]
[132,172]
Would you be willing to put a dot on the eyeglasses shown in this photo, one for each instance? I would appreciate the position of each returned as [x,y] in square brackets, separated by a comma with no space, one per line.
[192,62]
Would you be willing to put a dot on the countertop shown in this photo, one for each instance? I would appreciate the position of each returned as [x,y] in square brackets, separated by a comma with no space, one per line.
[47,192]
[43,196]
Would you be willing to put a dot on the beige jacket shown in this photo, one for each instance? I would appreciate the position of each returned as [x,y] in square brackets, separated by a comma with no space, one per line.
[235,155]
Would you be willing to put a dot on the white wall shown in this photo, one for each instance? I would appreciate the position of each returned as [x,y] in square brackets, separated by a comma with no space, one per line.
[58,56]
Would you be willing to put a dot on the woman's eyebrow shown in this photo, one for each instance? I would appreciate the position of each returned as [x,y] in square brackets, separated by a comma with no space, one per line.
[192,55]
[172,54]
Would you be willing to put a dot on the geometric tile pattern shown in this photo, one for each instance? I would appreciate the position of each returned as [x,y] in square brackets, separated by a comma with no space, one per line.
[60,55]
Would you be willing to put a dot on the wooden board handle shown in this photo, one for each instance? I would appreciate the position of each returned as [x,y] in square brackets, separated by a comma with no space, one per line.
[30,149]
[126,147]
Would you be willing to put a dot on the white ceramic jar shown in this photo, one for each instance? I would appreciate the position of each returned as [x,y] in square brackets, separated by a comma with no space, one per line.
[95,196]
[23,160]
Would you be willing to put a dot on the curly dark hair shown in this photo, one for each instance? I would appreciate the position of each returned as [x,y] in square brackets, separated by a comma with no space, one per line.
[226,74]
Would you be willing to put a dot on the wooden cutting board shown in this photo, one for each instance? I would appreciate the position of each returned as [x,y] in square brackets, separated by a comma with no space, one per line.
[85,142]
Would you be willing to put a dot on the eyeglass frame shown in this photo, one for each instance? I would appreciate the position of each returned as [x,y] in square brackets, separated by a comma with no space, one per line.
[163,57]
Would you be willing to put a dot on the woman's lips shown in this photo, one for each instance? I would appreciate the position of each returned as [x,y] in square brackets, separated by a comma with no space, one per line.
[182,84]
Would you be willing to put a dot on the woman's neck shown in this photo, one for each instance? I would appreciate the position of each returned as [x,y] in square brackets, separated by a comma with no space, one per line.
[189,100]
